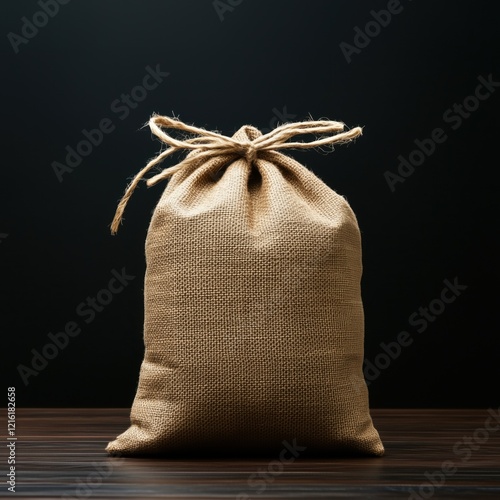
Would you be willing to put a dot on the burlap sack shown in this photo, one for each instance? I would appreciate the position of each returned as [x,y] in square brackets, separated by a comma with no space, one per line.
[253,316]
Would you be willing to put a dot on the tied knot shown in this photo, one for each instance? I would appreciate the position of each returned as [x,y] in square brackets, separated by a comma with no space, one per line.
[207,144]
[249,151]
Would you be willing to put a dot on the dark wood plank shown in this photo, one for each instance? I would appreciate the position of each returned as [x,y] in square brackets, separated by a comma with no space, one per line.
[60,453]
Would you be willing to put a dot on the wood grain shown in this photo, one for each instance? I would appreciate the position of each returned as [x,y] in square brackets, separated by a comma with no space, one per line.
[60,454]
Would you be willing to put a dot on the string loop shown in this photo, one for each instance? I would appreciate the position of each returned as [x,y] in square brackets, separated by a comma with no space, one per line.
[209,144]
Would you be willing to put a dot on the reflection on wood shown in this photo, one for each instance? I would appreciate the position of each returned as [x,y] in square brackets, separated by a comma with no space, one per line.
[445,454]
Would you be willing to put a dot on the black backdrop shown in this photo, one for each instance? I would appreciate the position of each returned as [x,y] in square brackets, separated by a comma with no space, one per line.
[430,73]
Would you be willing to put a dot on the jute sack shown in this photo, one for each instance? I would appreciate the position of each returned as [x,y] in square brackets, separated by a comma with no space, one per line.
[253,324]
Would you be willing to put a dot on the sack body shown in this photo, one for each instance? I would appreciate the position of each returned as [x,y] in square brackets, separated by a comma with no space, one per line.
[254,323]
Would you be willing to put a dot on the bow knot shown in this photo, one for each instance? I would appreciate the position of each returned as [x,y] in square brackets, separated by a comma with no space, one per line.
[249,151]
[209,144]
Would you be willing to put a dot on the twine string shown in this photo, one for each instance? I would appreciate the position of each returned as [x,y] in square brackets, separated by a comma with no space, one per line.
[207,144]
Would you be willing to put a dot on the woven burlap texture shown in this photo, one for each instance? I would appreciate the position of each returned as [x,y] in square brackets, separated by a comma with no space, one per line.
[254,326]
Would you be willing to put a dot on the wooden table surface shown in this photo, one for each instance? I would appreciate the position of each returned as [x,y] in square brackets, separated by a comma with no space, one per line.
[443,454]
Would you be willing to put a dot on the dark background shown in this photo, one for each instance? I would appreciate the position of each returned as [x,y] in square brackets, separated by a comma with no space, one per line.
[225,71]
